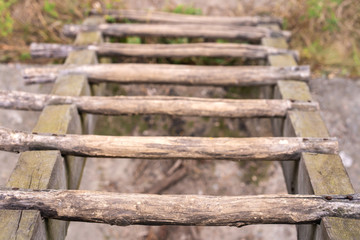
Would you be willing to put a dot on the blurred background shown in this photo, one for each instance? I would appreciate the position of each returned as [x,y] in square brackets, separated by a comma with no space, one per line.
[326,32]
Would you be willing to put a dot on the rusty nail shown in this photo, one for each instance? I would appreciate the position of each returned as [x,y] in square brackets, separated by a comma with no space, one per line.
[328,198]
[349,197]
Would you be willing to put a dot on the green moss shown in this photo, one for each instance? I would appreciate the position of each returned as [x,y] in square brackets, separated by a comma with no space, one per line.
[116,89]
[190,124]
[206,119]
[121,125]
[242,92]
[255,172]
[220,129]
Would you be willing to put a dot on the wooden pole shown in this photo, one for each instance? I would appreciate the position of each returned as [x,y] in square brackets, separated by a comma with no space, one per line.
[53,50]
[164,17]
[148,209]
[171,74]
[265,148]
[247,33]
[175,106]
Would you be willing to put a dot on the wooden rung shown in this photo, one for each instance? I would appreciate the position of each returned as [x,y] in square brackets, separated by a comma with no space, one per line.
[51,50]
[281,149]
[171,74]
[248,33]
[174,18]
[148,209]
[176,106]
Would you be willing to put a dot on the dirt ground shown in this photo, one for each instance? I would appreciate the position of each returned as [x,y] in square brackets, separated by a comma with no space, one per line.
[339,101]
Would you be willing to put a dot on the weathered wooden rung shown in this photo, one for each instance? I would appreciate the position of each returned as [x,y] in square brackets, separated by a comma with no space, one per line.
[281,149]
[53,50]
[148,209]
[247,33]
[171,74]
[164,17]
[176,106]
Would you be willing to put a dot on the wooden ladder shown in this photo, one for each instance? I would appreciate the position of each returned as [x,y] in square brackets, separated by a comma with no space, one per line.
[321,199]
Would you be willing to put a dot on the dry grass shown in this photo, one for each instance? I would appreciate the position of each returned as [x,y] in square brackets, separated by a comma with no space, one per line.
[40,21]
[329,39]
[326,32]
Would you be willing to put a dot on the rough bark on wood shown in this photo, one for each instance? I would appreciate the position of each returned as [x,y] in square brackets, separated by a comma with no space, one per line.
[53,50]
[175,106]
[171,74]
[248,33]
[313,174]
[281,149]
[164,17]
[47,169]
[148,209]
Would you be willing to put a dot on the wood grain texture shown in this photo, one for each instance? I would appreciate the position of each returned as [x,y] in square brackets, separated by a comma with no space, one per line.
[171,74]
[148,209]
[248,33]
[40,170]
[247,51]
[168,147]
[175,106]
[47,169]
[165,17]
[314,173]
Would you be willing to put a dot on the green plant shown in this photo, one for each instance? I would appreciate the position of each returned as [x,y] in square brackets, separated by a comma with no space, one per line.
[133,40]
[25,56]
[6,21]
[324,9]
[326,34]
[110,19]
[178,40]
[49,8]
[113,4]
[187,10]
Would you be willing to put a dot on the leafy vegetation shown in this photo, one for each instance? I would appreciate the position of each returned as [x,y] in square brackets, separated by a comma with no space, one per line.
[6,21]
[49,8]
[324,31]
[133,40]
[185,9]
[326,34]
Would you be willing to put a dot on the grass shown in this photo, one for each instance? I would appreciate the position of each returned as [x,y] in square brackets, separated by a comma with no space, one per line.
[186,9]
[326,32]
[6,20]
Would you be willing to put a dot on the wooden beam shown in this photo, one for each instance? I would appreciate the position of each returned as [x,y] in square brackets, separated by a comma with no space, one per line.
[175,106]
[174,18]
[247,33]
[314,173]
[281,149]
[48,169]
[53,50]
[171,74]
[149,209]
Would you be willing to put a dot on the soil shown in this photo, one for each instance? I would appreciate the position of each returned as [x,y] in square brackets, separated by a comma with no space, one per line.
[339,101]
